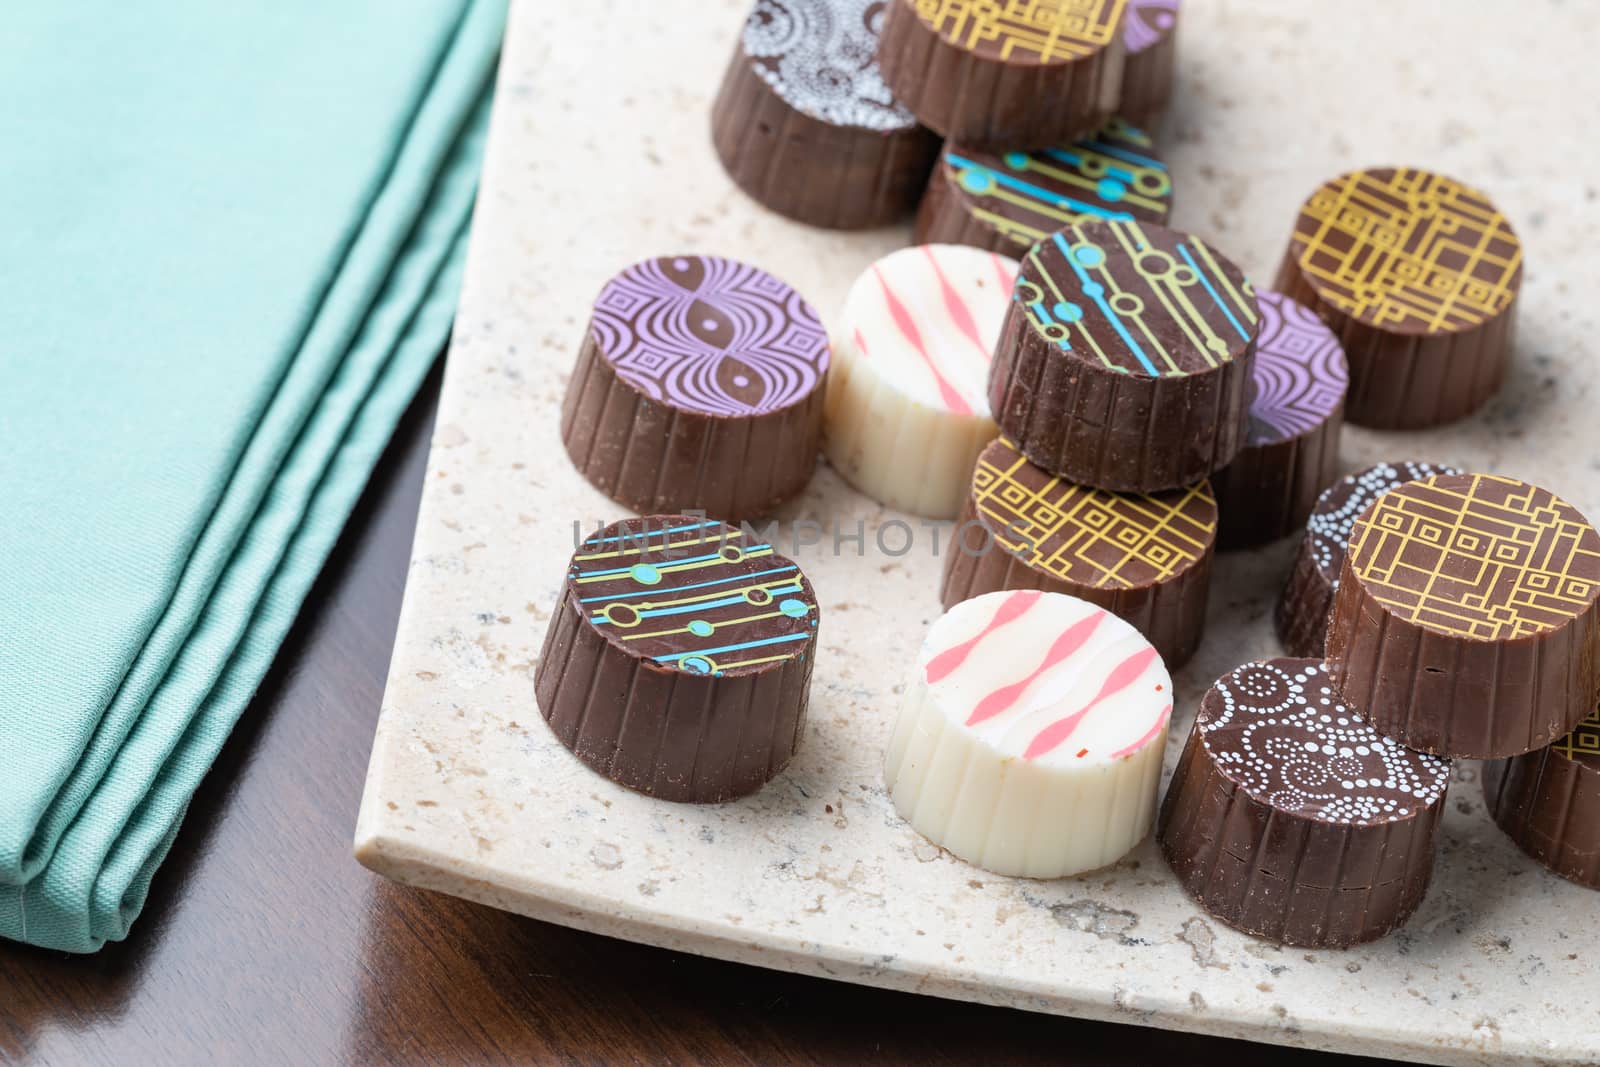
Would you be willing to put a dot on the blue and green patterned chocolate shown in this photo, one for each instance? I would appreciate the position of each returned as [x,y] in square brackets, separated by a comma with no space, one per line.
[1137,298]
[701,597]
[1116,174]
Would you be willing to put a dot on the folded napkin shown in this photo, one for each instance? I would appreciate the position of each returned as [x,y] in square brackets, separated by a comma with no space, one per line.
[231,239]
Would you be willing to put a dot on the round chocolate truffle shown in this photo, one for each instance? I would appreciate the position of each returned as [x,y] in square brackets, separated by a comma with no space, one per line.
[1010,201]
[1548,802]
[1418,274]
[1291,443]
[678,662]
[1125,360]
[907,409]
[1467,616]
[1292,819]
[700,386]
[1031,734]
[805,124]
[1146,558]
[1306,602]
[1027,75]
[1151,37]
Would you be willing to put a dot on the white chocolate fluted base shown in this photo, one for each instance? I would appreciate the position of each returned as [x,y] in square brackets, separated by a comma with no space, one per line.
[976,792]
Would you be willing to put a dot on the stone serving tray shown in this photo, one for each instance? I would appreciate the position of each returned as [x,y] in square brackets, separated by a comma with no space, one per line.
[600,155]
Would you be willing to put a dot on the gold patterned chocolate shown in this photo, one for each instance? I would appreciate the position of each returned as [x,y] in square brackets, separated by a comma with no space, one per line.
[1584,742]
[1477,556]
[1408,250]
[1089,536]
[1043,31]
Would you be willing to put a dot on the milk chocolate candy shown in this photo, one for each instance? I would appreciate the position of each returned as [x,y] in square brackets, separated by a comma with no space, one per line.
[1146,558]
[1306,602]
[908,410]
[699,386]
[1151,37]
[1468,616]
[1291,444]
[1010,201]
[1022,74]
[1548,801]
[678,662]
[1030,739]
[1418,274]
[1125,361]
[805,125]
[1291,819]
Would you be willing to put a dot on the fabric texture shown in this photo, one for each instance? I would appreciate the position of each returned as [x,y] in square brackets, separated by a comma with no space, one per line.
[232,242]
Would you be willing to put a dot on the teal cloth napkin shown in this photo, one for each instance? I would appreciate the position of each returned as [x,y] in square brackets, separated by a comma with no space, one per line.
[231,239]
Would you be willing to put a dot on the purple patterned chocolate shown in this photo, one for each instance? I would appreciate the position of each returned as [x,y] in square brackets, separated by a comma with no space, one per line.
[1300,372]
[1147,21]
[710,335]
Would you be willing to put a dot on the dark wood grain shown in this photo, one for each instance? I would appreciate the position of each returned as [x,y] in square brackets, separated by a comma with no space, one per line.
[264,942]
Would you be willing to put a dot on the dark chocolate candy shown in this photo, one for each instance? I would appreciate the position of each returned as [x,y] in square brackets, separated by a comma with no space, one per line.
[1306,602]
[1009,201]
[1125,361]
[1146,558]
[1027,74]
[678,662]
[1291,445]
[1548,801]
[1418,274]
[1468,616]
[1151,37]
[699,386]
[1292,819]
[805,124]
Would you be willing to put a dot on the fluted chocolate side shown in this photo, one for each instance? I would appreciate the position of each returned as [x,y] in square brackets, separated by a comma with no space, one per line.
[1148,76]
[1301,617]
[1459,696]
[819,173]
[656,458]
[1410,380]
[1170,614]
[943,220]
[1549,804]
[666,733]
[1280,876]
[990,102]
[1123,432]
[1270,490]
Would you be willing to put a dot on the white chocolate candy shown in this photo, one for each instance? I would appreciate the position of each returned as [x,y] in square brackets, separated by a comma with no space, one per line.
[908,408]
[1031,736]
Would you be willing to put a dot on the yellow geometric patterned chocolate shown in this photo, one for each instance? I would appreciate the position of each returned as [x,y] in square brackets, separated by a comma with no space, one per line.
[1584,742]
[1477,556]
[1043,31]
[1088,536]
[1408,250]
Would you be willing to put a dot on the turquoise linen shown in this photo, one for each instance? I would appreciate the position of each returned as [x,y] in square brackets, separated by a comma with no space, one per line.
[231,239]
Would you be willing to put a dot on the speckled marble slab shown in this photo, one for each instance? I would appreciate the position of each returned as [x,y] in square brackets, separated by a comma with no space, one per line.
[600,155]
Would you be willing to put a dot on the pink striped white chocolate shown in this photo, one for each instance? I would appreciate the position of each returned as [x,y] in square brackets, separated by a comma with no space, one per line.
[1047,677]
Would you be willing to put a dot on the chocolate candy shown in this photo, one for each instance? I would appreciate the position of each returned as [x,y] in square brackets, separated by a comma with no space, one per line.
[1468,615]
[1548,801]
[1151,37]
[1418,274]
[1144,558]
[1291,444]
[805,124]
[1307,598]
[1025,74]
[699,386]
[678,662]
[907,410]
[1292,819]
[1125,361]
[1010,201]
[1031,734]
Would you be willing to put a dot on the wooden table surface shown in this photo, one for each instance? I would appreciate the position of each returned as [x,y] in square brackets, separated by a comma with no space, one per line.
[265,942]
